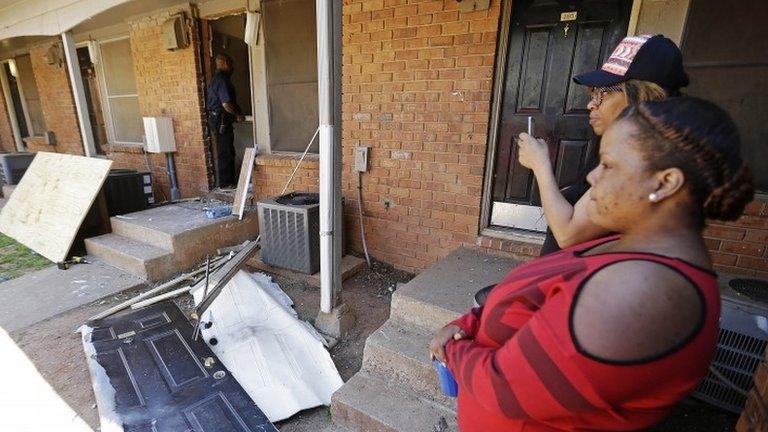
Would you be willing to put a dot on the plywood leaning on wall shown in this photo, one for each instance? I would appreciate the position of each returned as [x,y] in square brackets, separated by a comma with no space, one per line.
[50,203]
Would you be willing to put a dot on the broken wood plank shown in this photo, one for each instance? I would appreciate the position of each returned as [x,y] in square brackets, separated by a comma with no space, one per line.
[220,277]
[162,287]
[51,201]
[241,193]
[161,297]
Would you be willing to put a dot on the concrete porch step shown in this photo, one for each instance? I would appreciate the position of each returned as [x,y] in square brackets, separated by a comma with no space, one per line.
[140,241]
[400,351]
[141,259]
[369,404]
[446,290]
[177,227]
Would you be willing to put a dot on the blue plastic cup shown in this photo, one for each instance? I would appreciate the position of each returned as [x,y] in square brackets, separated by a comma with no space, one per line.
[447,382]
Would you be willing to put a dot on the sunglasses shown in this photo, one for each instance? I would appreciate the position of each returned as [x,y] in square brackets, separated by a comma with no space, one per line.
[597,94]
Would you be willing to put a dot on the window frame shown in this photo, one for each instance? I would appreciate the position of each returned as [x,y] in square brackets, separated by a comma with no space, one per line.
[105,98]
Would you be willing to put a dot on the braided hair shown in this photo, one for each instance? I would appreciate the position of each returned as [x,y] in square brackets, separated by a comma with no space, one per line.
[701,139]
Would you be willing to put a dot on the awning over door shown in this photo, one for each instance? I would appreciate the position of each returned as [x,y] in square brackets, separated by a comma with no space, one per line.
[47,17]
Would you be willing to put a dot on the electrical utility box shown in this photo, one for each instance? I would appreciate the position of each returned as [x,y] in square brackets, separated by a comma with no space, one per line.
[158,133]
[361,159]
[175,33]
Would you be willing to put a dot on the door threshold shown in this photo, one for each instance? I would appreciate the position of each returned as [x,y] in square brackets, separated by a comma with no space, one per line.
[513,234]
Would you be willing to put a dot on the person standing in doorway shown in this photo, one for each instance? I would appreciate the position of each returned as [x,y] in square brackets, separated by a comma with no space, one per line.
[223,111]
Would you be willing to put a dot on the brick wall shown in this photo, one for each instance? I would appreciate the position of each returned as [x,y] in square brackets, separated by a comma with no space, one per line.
[417,79]
[57,102]
[272,172]
[170,84]
[741,247]
[7,143]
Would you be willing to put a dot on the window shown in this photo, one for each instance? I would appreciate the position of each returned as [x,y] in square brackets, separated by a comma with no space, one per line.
[120,98]
[727,65]
[291,63]
[34,120]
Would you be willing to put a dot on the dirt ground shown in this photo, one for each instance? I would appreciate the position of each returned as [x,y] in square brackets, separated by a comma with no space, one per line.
[56,350]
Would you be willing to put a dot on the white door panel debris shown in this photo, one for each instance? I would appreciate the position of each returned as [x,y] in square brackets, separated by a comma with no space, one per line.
[279,360]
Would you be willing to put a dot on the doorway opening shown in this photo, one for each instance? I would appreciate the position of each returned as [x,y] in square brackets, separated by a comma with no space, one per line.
[92,99]
[226,35]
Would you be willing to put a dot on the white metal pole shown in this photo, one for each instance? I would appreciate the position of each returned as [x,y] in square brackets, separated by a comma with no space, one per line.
[11,110]
[76,80]
[330,158]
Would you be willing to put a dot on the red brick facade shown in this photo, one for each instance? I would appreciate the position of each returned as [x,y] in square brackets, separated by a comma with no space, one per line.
[7,142]
[57,101]
[741,247]
[170,84]
[417,79]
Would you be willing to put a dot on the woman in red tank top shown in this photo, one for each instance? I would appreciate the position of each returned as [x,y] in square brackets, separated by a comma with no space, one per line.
[610,334]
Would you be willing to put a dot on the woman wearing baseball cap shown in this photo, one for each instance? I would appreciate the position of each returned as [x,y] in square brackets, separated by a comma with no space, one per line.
[641,68]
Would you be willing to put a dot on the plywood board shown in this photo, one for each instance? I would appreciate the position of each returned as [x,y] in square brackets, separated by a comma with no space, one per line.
[238,206]
[51,201]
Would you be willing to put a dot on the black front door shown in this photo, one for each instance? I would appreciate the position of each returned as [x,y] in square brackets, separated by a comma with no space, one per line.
[549,42]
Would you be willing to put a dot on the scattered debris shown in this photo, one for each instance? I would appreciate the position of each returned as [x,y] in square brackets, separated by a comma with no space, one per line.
[158,289]
[241,194]
[218,211]
[280,361]
[164,388]
[221,276]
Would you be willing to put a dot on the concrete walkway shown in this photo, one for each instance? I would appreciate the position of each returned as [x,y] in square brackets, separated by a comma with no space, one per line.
[45,293]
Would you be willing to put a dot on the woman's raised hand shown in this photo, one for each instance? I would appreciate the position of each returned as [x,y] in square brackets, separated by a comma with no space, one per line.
[533,153]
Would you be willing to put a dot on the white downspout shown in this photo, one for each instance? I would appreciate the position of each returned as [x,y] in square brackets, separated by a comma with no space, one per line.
[330,157]
[76,80]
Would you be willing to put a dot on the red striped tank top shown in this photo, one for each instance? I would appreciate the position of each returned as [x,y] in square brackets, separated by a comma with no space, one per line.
[520,369]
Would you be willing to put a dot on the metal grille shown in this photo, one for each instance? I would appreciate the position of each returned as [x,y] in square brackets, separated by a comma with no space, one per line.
[290,235]
[737,358]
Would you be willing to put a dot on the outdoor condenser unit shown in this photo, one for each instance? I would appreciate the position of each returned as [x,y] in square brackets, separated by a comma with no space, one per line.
[741,344]
[13,166]
[290,231]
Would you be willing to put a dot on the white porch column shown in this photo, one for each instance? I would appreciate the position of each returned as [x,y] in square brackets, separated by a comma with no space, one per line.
[333,319]
[76,79]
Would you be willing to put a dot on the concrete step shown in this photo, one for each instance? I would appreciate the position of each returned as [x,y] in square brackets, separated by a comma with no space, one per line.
[124,226]
[368,404]
[184,228]
[446,290]
[141,259]
[400,351]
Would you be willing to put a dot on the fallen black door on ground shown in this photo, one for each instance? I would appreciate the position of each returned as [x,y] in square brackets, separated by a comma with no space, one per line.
[162,380]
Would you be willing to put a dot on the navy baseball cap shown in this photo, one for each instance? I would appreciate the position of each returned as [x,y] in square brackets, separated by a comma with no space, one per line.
[647,58]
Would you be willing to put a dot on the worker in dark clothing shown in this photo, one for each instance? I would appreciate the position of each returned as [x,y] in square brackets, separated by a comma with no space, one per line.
[223,111]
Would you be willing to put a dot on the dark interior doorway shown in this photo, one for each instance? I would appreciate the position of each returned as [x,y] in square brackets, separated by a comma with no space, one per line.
[92,99]
[226,35]
[726,56]
[13,84]
[548,42]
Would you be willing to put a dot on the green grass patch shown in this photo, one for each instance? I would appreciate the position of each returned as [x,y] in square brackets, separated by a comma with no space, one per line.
[17,259]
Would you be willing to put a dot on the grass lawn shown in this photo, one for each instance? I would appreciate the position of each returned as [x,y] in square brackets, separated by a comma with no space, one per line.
[17,259]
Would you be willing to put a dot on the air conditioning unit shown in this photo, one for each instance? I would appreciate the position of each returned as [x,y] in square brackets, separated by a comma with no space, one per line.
[289,226]
[742,343]
[13,166]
